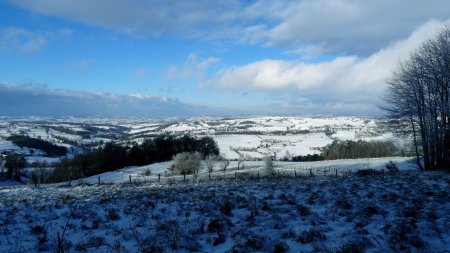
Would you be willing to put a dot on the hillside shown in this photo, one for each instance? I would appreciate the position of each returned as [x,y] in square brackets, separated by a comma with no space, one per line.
[249,137]
[406,212]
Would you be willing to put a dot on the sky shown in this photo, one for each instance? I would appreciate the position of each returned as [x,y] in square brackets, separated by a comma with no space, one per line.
[201,57]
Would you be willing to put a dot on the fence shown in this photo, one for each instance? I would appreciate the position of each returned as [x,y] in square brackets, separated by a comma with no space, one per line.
[288,171]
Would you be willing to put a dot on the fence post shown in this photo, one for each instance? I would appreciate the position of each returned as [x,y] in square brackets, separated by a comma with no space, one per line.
[336,173]
[184,177]
[258,174]
[129,177]
[159,178]
[310,172]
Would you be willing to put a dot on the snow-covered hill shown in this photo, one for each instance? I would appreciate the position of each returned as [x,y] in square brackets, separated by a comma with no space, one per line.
[250,137]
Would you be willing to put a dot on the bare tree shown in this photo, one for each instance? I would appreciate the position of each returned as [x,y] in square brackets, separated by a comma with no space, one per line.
[186,163]
[224,162]
[240,161]
[418,95]
[210,162]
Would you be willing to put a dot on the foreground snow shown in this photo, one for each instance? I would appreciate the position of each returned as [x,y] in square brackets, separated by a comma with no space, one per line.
[379,213]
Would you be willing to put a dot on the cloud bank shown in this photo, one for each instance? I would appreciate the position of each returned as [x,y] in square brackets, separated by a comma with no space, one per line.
[346,81]
[307,26]
[34,100]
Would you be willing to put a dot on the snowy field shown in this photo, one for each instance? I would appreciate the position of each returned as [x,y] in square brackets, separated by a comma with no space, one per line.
[405,212]
[258,146]
[152,172]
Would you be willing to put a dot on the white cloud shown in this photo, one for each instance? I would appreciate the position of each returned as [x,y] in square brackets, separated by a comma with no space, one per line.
[344,80]
[21,40]
[192,68]
[280,74]
[349,27]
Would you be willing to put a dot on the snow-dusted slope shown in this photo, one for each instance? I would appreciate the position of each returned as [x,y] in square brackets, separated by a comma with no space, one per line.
[387,213]
[153,171]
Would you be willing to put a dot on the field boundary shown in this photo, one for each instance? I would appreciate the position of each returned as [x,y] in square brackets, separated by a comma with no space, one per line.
[256,172]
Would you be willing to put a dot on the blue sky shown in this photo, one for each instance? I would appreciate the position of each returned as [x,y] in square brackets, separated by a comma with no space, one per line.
[158,58]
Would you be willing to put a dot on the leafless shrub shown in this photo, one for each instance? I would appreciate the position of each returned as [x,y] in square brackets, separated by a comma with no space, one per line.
[186,163]
[392,167]
[210,162]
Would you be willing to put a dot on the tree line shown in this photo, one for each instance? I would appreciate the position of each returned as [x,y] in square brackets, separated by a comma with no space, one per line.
[308,158]
[112,156]
[50,149]
[417,98]
[358,149]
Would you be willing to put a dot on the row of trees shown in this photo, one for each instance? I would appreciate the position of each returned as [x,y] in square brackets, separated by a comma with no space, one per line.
[112,156]
[358,149]
[49,148]
[308,158]
[418,99]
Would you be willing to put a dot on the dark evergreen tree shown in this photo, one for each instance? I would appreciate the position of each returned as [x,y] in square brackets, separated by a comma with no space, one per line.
[14,164]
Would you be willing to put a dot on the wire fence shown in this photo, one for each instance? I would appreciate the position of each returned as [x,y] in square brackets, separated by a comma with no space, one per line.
[249,173]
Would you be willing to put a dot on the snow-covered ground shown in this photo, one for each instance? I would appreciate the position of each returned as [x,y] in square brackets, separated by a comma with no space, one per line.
[159,171]
[405,212]
[237,210]
[8,145]
[258,146]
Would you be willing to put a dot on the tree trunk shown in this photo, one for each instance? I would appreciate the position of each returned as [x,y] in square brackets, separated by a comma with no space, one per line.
[419,164]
